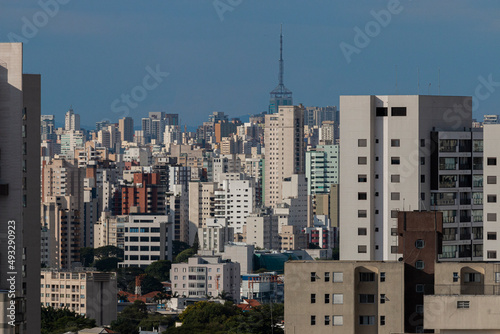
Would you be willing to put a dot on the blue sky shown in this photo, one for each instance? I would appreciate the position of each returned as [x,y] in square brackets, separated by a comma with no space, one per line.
[91,52]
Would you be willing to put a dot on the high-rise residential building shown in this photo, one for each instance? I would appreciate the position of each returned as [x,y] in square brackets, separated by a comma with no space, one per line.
[148,238]
[344,297]
[201,206]
[102,125]
[322,168]
[126,128]
[48,127]
[145,195]
[20,96]
[491,193]
[71,121]
[215,235]
[89,293]
[71,140]
[457,191]
[217,116]
[386,162]
[315,116]
[280,96]
[261,229]
[285,153]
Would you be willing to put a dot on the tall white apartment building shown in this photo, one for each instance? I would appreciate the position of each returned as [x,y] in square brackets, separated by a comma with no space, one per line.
[215,235]
[71,140]
[385,165]
[148,238]
[285,153]
[491,193]
[71,121]
[201,206]
[235,201]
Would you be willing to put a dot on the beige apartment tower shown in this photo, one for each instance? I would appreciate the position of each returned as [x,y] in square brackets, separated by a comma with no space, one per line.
[285,153]
[385,165]
[344,297]
[20,97]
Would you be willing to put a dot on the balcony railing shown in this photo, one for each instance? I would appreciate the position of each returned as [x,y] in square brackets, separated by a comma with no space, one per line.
[465,289]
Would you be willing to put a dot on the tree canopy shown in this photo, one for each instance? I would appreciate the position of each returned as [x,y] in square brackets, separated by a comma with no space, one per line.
[58,321]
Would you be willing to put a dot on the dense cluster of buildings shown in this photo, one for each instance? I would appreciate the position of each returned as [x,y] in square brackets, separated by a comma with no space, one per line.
[403,188]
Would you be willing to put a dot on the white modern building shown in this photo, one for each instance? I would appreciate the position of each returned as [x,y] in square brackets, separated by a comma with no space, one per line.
[385,165]
[215,235]
[491,192]
[148,238]
[71,121]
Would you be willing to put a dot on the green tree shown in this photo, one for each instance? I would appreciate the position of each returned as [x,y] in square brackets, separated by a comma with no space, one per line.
[128,320]
[58,321]
[179,246]
[108,251]
[106,264]
[150,284]
[159,270]
[155,320]
[185,255]
[125,276]
[87,256]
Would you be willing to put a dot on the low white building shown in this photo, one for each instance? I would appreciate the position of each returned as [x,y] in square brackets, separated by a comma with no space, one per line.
[206,276]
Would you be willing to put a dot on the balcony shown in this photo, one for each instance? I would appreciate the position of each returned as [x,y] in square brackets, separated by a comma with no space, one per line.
[465,219]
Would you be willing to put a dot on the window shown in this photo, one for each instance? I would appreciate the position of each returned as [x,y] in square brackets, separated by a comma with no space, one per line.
[422,161]
[361,142]
[422,142]
[422,178]
[327,320]
[455,277]
[491,217]
[338,298]
[362,249]
[338,320]
[395,142]
[492,254]
[395,160]
[395,178]
[366,299]
[313,320]
[419,288]
[394,213]
[327,298]
[492,198]
[382,276]
[382,320]
[394,231]
[472,278]
[313,298]
[366,320]
[491,180]
[338,277]
[394,249]
[492,235]
[362,178]
[327,277]
[491,161]
[362,160]
[362,230]
[497,277]
[419,264]
[366,277]
[398,111]
[381,111]
[361,196]
[395,196]
[419,244]
[463,304]
[313,276]
[361,213]
[419,309]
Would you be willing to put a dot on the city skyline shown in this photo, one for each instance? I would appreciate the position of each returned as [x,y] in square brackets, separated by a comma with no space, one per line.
[199,46]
